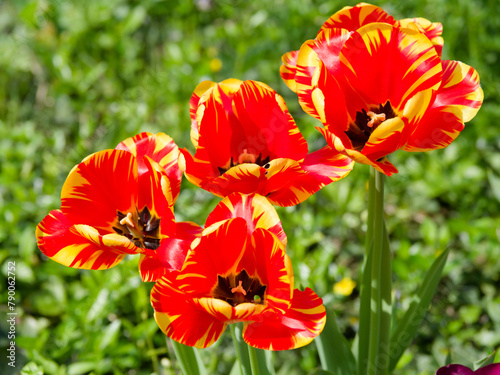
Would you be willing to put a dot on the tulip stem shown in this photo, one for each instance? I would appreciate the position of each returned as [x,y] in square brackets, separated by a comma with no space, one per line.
[375,352]
[242,353]
[254,363]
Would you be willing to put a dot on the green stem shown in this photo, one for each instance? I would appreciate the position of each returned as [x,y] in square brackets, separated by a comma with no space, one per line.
[254,363]
[242,353]
[381,275]
[189,359]
[371,211]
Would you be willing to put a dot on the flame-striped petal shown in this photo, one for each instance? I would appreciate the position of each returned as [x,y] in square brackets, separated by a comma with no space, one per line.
[297,327]
[161,149]
[384,63]
[217,253]
[383,165]
[254,208]
[432,30]
[264,257]
[288,69]
[180,318]
[98,187]
[169,256]
[457,101]
[193,108]
[80,246]
[155,193]
[352,18]
[290,182]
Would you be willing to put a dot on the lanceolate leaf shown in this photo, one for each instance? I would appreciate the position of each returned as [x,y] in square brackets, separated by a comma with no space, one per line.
[334,350]
[407,328]
[485,361]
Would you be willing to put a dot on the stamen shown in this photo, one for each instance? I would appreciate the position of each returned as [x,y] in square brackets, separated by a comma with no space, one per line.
[375,119]
[127,220]
[239,289]
[245,157]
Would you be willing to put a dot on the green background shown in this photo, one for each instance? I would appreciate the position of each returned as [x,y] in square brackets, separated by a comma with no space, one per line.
[80,76]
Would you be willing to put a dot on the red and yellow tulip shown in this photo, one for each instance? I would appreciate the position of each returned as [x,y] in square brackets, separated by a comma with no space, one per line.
[379,85]
[237,271]
[246,141]
[119,202]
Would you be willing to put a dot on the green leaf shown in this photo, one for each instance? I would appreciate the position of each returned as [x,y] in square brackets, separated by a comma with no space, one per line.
[407,328]
[189,359]
[31,368]
[321,372]
[484,362]
[334,350]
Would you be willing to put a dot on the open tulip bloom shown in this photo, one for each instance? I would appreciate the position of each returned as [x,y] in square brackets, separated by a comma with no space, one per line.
[119,202]
[379,85]
[238,272]
[247,142]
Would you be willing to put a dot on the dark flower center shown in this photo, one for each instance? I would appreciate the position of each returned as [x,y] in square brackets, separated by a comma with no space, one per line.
[239,289]
[143,229]
[245,158]
[366,122]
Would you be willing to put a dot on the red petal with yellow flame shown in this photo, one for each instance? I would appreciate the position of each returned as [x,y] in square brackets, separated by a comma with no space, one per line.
[254,208]
[98,187]
[180,319]
[352,18]
[297,327]
[161,149]
[457,101]
[80,246]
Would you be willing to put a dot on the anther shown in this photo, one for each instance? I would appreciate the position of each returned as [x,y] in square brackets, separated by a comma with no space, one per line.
[239,289]
[127,220]
[375,119]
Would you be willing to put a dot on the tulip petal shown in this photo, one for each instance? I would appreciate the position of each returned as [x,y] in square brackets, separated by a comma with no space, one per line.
[299,326]
[404,60]
[460,88]
[180,319]
[80,246]
[432,30]
[265,258]
[193,108]
[268,126]
[254,208]
[457,101]
[454,370]
[288,69]
[98,187]
[492,369]
[168,257]
[155,193]
[383,165]
[352,18]
[217,253]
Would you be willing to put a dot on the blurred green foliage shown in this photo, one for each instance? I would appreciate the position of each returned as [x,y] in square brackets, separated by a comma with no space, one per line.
[80,76]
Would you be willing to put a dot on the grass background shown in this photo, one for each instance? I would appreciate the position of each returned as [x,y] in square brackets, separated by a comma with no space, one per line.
[80,76]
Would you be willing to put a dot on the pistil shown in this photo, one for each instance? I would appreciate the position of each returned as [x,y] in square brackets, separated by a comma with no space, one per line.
[245,157]
[375,118]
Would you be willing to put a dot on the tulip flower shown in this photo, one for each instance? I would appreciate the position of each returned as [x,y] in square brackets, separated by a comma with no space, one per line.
[246,141]
[119,202]
[237,271]
[493,369]
[379,85]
